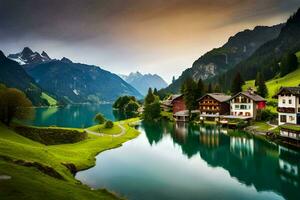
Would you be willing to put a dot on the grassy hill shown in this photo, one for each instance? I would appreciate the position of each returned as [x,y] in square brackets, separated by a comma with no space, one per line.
[291,79]
[35,169]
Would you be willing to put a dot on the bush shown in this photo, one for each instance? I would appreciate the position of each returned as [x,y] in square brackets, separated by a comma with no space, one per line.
[51,136]
[109,124]
[265,115]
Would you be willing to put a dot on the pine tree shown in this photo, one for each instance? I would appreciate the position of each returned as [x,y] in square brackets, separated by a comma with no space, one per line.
[257,79]
[155,92]
[262,89]
[288,64]
[150,98]
[209,88]
[237,83]
[189,90]
[217,88]
[200,89]
[173,79]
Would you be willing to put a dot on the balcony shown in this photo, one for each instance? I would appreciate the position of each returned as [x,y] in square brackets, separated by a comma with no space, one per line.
[286,110]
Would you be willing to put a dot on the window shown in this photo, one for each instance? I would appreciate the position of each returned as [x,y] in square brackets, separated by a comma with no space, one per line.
[282,118]
[283,101]
[291,118]
[290,101]
[237,107]
[243,107]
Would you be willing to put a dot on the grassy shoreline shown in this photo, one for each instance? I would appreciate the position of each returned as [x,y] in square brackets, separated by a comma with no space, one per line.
[38,157]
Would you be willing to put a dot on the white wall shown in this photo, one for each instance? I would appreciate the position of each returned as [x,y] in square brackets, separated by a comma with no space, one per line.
[287,103]
[290,118]
[249,109]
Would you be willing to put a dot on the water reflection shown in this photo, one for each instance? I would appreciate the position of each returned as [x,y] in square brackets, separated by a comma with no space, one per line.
[71,116]
[253,162]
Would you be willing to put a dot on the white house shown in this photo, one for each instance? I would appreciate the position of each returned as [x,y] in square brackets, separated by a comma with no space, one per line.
[245,104]
[288,105]
[289,112]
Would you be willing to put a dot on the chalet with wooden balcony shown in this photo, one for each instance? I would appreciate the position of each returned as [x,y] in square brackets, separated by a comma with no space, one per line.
[214,104]
[288,105]
[246,104]
[289,112]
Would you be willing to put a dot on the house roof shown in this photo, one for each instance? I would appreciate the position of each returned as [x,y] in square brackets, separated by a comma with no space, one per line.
[252,95]
[217,96]
[170,100]
[291,90]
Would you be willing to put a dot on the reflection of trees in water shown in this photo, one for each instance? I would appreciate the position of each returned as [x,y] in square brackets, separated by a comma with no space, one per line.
[119,115]
[251,161]
[153,130]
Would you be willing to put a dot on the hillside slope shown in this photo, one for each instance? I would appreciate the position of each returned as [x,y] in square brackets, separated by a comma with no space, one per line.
[238,48]
[13,75]
[80,83]
[265,58]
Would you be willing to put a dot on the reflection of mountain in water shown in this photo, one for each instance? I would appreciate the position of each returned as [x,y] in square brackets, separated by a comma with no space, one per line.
[251,161]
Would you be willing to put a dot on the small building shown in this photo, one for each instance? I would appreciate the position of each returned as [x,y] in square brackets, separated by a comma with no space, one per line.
[246,104]
[214,104]
[167,105]
[178,104]
[288,105]
[289,112]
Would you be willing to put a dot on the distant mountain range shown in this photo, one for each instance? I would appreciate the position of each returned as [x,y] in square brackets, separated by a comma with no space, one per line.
[142,82]
[217,61]
[68,82]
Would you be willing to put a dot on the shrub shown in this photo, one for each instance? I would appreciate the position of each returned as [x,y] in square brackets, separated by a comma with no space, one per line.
[51,136]
[109,124]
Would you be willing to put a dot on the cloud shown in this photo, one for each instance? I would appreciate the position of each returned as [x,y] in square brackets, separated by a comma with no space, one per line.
[125,34]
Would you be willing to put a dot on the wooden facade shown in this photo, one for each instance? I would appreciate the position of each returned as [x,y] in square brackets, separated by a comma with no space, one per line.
[209,104]
[178,104]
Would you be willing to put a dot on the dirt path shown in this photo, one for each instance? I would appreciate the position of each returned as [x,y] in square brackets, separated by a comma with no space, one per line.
[123,131]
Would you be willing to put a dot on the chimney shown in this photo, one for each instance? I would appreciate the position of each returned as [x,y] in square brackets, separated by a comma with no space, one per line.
[251,90]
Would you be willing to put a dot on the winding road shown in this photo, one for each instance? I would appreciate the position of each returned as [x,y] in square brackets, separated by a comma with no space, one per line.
[123,131]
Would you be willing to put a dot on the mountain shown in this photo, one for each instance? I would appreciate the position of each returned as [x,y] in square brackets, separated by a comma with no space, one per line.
[13,75]
[80,83]
[142,82]
[266,58]
[27,57]
[217,61]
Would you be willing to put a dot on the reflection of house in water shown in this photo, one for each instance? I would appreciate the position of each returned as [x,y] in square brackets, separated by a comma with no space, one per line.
[289,166]
[242,147]
[181,131]
[209,137]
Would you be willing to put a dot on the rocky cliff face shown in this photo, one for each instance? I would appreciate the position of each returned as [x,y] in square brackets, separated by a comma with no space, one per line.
[238,48]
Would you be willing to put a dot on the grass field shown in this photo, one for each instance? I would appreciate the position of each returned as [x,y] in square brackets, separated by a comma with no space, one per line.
[51,101]
[31,183]
[101,129]
[292,79]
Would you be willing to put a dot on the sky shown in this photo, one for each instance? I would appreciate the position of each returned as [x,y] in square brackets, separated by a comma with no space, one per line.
[122,36]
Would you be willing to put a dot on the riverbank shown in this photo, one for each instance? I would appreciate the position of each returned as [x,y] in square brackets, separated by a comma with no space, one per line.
[36,169]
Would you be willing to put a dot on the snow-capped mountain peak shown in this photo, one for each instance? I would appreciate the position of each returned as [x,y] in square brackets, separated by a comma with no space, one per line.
[27,56]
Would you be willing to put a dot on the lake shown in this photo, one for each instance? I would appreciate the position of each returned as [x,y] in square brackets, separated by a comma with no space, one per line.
[181,161]
[79,116]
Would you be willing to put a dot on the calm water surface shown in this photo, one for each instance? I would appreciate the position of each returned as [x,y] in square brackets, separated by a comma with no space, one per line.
[78,116]
[169,161]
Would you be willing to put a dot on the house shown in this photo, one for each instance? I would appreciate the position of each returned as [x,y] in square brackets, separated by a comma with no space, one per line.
[289,112]
[214,104]
[167,105]
[288,105]
[246,104]
[178,104]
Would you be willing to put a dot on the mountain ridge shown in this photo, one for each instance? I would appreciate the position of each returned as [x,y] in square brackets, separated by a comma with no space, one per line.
[142,82]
